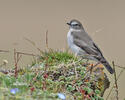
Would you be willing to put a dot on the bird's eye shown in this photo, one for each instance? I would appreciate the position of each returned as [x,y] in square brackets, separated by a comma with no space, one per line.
[75,24]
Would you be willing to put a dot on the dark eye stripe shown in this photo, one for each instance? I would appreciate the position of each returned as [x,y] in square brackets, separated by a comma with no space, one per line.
[75,25]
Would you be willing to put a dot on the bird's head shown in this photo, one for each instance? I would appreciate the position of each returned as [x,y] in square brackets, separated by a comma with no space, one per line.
[75,24]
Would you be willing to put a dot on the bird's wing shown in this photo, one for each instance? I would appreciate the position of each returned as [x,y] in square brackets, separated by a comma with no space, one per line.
[85,42]
[82,35]
[85,47]
[97,49]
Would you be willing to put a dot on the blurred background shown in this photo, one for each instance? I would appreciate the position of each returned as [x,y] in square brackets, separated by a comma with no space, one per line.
[104,20]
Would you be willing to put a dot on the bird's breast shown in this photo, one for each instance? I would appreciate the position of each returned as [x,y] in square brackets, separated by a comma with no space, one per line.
[73,47]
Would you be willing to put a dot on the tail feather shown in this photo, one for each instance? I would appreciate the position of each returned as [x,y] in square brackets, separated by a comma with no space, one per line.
[107,66]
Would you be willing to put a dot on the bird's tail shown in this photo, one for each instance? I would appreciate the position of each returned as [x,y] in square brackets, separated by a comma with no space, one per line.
[107,65]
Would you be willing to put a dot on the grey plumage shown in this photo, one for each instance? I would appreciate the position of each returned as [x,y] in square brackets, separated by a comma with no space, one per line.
[82,44]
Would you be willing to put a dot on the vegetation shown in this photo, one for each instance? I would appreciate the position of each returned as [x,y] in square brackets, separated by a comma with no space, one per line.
[54,75]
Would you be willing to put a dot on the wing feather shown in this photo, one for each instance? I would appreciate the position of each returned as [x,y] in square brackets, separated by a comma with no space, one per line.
[85,42]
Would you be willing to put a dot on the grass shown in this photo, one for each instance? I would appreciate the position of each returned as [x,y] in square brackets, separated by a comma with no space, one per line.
[52,73]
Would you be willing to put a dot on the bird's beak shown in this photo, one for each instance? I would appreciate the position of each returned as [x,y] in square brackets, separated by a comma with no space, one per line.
[68,23]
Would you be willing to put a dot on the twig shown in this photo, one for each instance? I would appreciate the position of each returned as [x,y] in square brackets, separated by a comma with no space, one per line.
[26,54]
[115,81]
[47,39]
[120,66]
[18,57]
[16,60]
[4,51]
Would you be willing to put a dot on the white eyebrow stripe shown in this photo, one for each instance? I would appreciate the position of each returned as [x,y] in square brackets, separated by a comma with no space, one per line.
[73,23]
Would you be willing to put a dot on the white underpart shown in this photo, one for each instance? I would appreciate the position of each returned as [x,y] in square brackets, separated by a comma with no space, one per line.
[73,47]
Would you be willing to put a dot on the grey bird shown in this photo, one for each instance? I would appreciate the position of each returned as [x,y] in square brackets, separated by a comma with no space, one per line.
[82,44]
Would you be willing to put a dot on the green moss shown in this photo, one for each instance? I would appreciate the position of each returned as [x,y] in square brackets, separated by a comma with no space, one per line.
[53,73]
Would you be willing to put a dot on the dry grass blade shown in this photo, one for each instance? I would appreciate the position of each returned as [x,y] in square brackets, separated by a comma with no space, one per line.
[17,57]
[4,51]
[119,66]
[33,43]
[27,54]
[115,81]
[47,39]
[15,60]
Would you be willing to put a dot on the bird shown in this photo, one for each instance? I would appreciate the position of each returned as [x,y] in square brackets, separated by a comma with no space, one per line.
[82,44]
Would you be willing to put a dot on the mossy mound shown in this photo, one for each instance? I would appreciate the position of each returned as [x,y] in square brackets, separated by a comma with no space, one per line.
[52,73]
